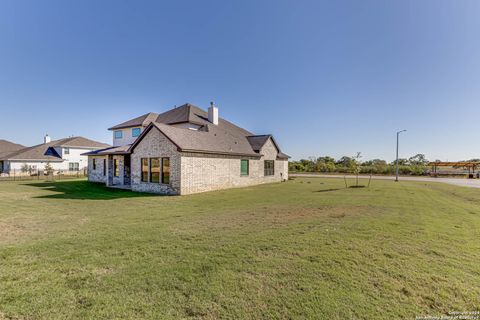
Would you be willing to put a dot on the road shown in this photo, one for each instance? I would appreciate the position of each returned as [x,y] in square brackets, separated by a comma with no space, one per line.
[471,183]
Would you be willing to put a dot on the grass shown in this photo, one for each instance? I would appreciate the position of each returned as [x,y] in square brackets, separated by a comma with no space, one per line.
[308,248]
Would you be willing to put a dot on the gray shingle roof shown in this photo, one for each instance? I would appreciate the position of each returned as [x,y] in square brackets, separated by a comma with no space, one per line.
[224,138]
[257,142]
[185,113]
[141,121]
[215,140]
[7,147]
[110,150]
[282,156]
[39,152]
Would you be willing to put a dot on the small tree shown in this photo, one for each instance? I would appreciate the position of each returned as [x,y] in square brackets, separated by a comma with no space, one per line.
[354,165]
[25,168]
[48,169]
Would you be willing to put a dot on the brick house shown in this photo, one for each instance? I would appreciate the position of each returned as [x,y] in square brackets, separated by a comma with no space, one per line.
[186,150]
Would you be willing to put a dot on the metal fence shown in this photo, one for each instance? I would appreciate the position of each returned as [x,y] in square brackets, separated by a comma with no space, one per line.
[19,175]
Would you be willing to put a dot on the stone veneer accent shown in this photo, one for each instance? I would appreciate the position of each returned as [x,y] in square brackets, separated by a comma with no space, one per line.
[96,175]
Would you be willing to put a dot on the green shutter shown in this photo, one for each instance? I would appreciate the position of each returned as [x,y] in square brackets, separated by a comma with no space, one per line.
[244,167]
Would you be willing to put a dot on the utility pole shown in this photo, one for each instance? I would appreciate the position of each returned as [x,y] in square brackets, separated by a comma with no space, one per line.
[396,170]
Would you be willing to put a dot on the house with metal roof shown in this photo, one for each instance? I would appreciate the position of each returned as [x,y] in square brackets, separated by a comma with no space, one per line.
[62,155]
[186,150]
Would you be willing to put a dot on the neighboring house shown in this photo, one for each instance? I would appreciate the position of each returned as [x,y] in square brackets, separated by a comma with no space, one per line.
[64,154]
[186,150]
[7,147]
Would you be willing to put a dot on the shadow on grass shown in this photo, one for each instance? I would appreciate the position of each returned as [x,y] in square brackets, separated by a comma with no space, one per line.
[84,190]
[327,190]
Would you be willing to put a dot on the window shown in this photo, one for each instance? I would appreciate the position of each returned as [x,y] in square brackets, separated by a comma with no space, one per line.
[166,170]
[144,164]
[104,167]
[94,163]
[118,134]
[116,169]
[244,167]
[73,166]
[66,150]
[269,167]
[154,170]
[135,132]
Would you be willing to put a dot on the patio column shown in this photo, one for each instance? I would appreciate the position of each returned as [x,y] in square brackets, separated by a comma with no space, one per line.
[126,170]
[109,170]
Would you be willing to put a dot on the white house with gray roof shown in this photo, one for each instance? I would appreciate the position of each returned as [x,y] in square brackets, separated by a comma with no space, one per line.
[186,150]
[62,155]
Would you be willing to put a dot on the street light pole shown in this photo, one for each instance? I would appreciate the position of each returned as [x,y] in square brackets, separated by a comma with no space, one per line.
[396,170]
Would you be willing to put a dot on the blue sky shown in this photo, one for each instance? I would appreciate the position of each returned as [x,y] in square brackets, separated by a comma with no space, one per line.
[325,77]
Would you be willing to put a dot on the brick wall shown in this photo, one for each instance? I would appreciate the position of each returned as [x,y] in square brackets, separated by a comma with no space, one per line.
[155,145]
[98,174]
[200,172]
[206,172]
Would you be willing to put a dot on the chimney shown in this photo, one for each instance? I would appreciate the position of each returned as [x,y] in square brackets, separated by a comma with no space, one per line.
[46,139]
[213,114]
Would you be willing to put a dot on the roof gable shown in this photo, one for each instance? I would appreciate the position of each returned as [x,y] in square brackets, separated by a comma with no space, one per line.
[213,141]
[52,152]
[43,152]
[257,142]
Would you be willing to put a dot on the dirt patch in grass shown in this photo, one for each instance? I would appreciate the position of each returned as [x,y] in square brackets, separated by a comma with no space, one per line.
[19,229]
[13,230]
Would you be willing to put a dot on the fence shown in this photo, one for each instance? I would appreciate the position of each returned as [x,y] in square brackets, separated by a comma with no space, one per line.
[19,175]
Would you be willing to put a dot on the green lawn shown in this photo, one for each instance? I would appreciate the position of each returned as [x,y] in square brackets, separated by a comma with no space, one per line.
[308,248]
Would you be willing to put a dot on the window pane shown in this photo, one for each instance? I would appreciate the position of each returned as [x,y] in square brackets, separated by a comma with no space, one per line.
[244,167]
[118,134]
[116,170]
[135,132]
[155,170]
[269,167]
[144,169]
[66,150]
[166,170]
[104,167]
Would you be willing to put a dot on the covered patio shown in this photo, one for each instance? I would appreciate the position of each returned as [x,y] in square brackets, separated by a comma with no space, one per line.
[458,168]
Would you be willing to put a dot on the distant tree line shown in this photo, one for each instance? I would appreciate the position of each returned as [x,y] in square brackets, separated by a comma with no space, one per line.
[416,165]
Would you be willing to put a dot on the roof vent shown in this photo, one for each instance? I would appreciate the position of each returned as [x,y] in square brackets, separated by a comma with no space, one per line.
[213,114]
[47,139]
